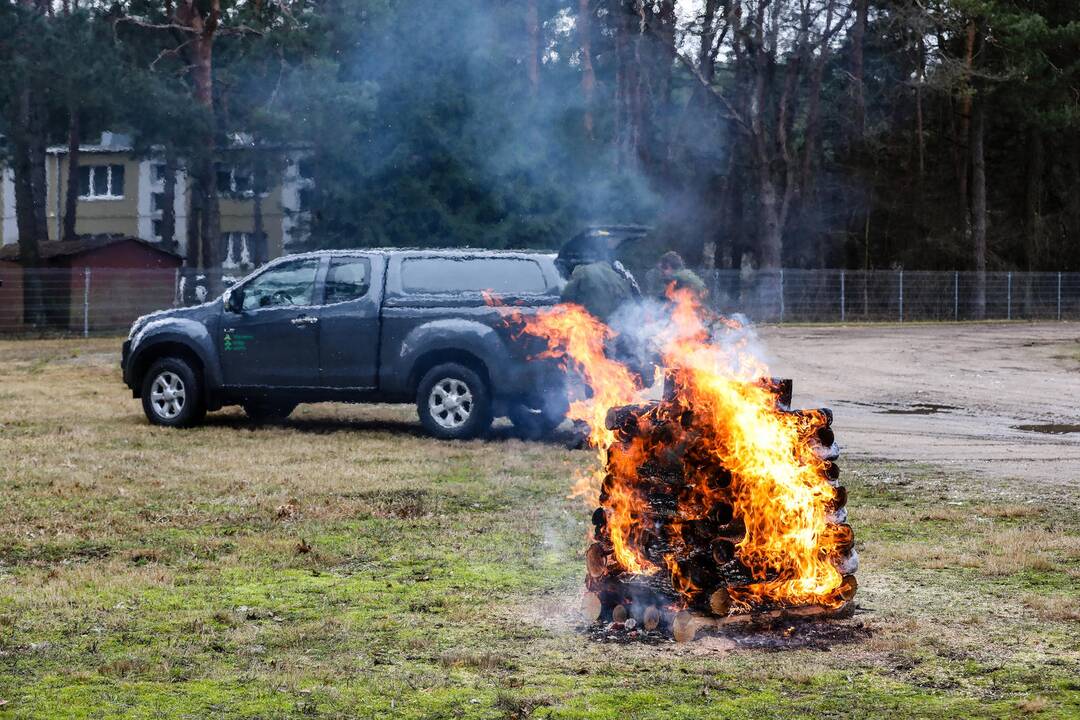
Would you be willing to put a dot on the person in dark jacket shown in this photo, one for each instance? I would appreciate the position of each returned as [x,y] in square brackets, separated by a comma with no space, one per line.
[594,280]
[675,275]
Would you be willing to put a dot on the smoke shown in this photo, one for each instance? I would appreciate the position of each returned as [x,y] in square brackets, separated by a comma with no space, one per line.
[648,330]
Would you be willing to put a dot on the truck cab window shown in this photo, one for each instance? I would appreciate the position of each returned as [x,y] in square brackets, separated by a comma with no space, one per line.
[349,278]
[285,285]
[457,275]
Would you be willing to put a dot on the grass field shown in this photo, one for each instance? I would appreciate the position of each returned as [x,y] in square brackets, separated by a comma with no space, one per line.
[342,565]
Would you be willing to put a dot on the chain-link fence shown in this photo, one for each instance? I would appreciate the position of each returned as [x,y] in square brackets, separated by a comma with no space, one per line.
[99,301]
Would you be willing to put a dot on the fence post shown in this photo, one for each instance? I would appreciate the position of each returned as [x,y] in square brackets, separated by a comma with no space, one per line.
[901,296]
[781,295]
[177,300]
[86,303]
[956,296]
[1008,311]
[843,314]
[1059,296]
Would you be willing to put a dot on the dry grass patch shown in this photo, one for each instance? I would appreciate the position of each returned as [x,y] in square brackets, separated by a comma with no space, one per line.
[1054,607]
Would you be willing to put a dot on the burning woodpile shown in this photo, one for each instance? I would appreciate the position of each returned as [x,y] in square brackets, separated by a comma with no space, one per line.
[676,541]
[715,505]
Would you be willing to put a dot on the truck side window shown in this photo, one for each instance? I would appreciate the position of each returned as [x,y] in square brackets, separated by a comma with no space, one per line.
[349,278]
[456,275]
[288,284]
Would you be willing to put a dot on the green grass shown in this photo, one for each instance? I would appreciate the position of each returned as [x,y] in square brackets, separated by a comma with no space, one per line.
[147,573]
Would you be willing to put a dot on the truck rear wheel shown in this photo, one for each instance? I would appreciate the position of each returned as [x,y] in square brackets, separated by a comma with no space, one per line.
[265,411]
[454,402]
[534,423]
[172,394]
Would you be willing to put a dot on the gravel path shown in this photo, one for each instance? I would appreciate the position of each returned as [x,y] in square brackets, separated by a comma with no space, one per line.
[954,396]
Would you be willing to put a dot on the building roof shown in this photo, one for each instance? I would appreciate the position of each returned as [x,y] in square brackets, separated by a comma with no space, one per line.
[84,243]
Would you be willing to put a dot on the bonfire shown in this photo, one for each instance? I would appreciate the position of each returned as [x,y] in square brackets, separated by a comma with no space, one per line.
[716,504]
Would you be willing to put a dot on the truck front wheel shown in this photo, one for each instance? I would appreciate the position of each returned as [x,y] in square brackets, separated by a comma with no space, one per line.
[172,394]
[454,402]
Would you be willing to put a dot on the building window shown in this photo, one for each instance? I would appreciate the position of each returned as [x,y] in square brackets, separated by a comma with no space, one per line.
[157,202]
[101,182]
[157,172]
[233,181]
[306,169]
[157,229]
[306,196]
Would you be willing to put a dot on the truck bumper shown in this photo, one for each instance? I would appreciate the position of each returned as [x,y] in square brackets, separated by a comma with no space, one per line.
[125,353]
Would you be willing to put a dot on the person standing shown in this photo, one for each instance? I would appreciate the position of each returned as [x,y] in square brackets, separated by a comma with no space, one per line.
[674,275]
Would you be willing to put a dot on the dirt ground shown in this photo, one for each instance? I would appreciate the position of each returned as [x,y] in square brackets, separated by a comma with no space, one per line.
[953,396]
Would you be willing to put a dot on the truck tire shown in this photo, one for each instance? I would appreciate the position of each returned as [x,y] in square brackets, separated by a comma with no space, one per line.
[172,394]
[532,423]
[265,411]
[453,402]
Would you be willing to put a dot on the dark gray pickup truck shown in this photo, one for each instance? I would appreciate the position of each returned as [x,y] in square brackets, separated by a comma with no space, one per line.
[358,326]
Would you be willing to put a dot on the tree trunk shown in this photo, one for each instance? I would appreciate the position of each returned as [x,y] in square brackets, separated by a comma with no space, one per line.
[858,34]
[29,171]
[532,31]
[71,194]
[588,73]
[200,52]
[168,200]
[920,131]
[1033,200]
[978,205]
[965,109]
[257,251]
[628,90]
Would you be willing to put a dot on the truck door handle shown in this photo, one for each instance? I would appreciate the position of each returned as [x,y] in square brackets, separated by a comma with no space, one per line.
[304,320]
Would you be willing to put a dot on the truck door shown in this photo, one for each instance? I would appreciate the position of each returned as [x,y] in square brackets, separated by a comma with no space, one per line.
[273,339]
[349,322]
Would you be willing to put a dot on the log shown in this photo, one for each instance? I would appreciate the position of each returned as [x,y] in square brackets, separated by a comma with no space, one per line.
[723,551]
[832,471]
[619,614]
[684,626]
[651,618]
[625,417]
[591,607]
[830,452]
[722,513]
[847,564]
[599,518]
[842,535]
[720,602]
[826,436]
[847,588]
[817,416]
[596,560]
[782,388]
[839,499]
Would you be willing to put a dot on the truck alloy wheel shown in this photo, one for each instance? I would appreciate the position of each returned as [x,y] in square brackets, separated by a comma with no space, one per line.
[453,402]
[167,395]
[450,403]
[172,394]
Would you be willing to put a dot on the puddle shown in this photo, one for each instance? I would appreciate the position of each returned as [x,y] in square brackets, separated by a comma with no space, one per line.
[918,409]
[1049,429]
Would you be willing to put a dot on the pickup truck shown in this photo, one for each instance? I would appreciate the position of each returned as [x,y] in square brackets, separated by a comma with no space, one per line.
[396,326]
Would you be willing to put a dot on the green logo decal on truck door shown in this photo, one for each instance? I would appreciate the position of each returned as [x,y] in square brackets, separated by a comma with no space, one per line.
[236,343]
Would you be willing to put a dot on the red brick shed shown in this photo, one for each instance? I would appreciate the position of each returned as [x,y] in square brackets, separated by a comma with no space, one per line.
[106,280]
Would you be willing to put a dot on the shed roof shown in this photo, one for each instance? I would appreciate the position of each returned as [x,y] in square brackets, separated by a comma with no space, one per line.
[82,244]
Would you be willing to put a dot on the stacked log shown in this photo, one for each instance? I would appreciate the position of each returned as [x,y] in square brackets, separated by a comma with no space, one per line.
[694,547]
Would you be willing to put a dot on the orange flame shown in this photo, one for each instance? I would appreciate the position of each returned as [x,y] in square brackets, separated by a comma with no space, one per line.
[778,485]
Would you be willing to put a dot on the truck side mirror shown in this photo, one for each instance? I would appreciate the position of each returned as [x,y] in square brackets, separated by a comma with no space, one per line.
[233,299]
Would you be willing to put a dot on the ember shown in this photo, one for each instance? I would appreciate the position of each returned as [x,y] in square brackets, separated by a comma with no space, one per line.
[717,504]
